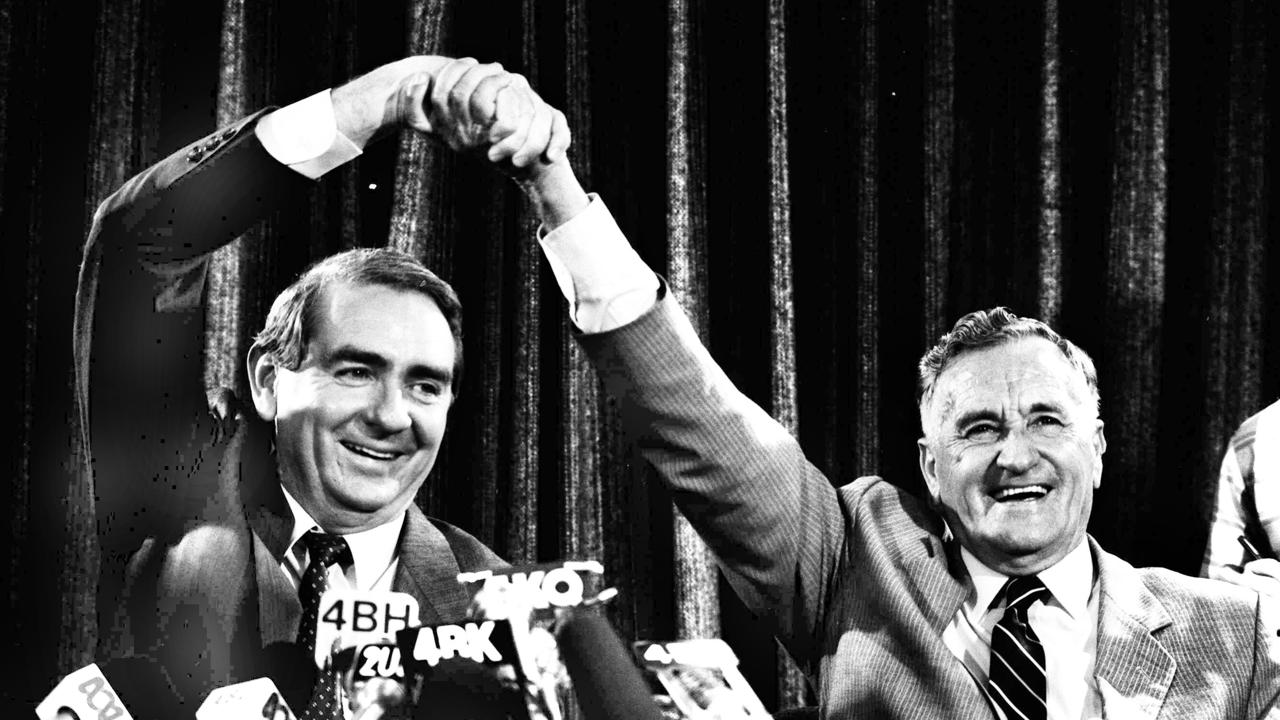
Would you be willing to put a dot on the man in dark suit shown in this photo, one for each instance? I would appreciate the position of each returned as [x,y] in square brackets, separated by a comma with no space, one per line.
[986,599]
[212,513]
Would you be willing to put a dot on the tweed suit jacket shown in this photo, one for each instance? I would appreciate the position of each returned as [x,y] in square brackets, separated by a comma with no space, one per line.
[857,580]
[192,521]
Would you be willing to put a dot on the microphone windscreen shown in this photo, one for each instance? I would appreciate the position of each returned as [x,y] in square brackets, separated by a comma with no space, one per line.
[144,687]
[291,668]
[468,691]
[607,683]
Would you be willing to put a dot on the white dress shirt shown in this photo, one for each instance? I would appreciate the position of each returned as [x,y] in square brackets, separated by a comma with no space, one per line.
[373,553]
[1067,626]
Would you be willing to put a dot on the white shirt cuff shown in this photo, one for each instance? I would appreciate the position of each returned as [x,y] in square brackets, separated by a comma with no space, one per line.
[305,136]
[599,273]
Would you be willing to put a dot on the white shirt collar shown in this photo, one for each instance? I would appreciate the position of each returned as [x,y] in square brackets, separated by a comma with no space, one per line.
[1070,580]
[371,550]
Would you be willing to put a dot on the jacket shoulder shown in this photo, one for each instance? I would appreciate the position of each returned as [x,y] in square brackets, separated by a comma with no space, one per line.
[470,553]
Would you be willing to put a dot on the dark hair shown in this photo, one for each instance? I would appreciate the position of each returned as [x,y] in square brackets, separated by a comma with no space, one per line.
[985,328]
[292,318]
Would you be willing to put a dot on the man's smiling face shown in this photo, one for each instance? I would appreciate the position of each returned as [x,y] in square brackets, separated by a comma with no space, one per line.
[1012,453]
[360,421]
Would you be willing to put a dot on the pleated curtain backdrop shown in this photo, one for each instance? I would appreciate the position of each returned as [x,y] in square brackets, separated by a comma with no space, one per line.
[826,186]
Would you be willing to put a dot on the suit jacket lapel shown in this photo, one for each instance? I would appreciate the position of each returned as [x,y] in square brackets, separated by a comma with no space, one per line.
[937,578]
[933,567]
[268,514]
[429,571]
[1134,670]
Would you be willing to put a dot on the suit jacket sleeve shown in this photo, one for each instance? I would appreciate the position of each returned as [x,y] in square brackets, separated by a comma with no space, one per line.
[139,323]
[1264,687]
[772,519]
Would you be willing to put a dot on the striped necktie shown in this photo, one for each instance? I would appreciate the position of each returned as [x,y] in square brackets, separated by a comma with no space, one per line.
[1016,681]
[325,550]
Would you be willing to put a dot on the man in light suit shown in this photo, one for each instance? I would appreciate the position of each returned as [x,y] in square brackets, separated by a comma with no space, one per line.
[208,510]
[985,600]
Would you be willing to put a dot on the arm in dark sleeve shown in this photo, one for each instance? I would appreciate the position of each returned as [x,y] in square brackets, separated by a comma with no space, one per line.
[139,323]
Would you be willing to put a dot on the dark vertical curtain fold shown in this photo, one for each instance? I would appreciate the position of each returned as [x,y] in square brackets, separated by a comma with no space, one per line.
[525,423]
[1237,259]
[866,327]
[825,186]
[1129,366]
[938,143]
[586,420]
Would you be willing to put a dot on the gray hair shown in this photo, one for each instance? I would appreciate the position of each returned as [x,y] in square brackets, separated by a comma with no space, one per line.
[987,328]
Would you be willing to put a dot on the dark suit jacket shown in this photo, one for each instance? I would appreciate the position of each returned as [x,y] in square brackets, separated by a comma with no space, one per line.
[192,521]
[858,582]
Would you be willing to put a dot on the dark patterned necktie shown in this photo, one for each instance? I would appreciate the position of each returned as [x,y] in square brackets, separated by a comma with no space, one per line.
[1016,681]
[325,550]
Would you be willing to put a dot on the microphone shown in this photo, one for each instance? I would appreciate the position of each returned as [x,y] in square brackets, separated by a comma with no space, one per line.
[502,660]
[702,679]
[349,619]
[606,681]
[535,600]
[467,669]
[133,687]
[257,698]
[373,677]
[291,668]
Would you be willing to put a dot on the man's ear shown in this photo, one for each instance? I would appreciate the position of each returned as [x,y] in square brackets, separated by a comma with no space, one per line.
[263,369]
[1099,447]
[928,467]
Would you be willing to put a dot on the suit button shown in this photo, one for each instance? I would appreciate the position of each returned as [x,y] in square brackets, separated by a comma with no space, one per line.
[229,133]
[195,155]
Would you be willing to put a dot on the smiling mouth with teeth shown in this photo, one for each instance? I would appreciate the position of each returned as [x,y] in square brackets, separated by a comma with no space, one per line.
[1017,494]
[367,452]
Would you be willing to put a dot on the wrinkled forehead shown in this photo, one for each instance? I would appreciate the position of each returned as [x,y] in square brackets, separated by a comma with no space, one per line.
[1012,376]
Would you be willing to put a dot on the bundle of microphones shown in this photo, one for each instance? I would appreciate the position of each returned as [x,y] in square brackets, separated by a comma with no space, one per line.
[531,639]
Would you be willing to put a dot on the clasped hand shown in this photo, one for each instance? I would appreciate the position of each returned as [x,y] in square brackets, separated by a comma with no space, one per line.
[474,107]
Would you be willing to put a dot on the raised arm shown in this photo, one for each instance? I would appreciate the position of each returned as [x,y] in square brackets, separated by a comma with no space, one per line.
[139,325]
[770,516]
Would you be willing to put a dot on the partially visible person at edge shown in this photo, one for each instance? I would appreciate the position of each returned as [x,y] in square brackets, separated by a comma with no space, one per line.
[1247,505]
